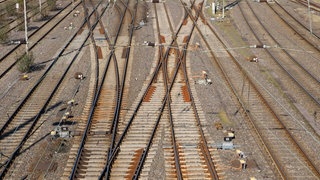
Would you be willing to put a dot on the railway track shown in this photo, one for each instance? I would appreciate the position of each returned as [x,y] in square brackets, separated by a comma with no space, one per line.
[17,22]
[167,115]
[150,109]
[17,129]
[97,64]
[314,7]
[207,153]
[274,133]
[296,25]
[9,6]
[300,71]
[8,61]
[87,161]
[306,91]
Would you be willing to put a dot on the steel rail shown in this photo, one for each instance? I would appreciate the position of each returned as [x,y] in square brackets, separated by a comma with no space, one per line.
[91,28]
[37,117]
[95,100]
[314,6]
[12,7]
[310,162]
[97,94]
[167,101]
[106,171]
[115,61]
[313,98]
[39,81]
[239,98]
[203,143]
[124,73]
[99,87]
[165,74]
[292,27]
[117,146]
[146,150]
[48,21]
[31,47]
[32,12]
[304,26]
[272,156]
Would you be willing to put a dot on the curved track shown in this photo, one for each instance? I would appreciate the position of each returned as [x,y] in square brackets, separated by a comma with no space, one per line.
[314,7]
[297,69]
[19,126]
[278,141]
[90,159]
[150,113]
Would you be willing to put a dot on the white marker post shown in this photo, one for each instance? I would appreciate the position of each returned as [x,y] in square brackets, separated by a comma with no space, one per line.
[213,8]
[310,19]
[40,8]
[17,7]
[25,25]
[222,9]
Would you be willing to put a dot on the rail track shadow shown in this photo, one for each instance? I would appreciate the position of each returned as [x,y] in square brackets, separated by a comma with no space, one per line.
[33,144]
[17,128]
[64,123]
[27,121]
[54,106]
[37,67]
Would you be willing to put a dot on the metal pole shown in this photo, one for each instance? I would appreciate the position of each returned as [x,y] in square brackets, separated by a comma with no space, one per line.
[222,9]
[310,19]
[25,25]
[40,6]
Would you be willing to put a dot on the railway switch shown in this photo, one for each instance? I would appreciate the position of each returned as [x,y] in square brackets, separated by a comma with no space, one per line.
[157,1]
[240,153]
[227,139]
[148,43]
[78,75]
[253,59]
[226,146]
[76,14]
[60,131]
[71,102]
[243,163]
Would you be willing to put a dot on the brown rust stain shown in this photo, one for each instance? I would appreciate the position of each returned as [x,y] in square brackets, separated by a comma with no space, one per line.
[80,31]
[177,55]
[198,8]
[185,39]
[124,53]
[149,94]
[163,51]
[172,51]
[185,93]
[203,19]
[100,56]
[182,162]
[205,161]
[134,163]
[185,21]
[101,30]
[162,39]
